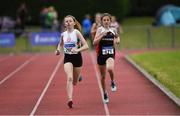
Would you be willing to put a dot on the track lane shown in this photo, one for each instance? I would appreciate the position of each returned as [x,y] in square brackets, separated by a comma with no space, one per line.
[9,65]
[46,87]
[4,57]
[136,95]
[87,97]
[20,93]
[16,70]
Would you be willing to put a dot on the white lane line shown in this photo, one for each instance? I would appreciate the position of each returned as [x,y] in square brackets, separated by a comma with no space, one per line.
[2,59]
[99,83]
[16,70]
[46,87]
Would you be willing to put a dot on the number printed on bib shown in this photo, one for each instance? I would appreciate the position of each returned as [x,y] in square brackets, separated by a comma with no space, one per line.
[68,47]
[107,50]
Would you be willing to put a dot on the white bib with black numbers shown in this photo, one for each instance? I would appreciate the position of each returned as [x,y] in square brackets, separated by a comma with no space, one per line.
[68,47]
[107,50]
[70,41]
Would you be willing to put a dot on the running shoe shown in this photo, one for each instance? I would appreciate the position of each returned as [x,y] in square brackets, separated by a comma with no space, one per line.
[80,78]
[106,98]
[70,103]
[113,86]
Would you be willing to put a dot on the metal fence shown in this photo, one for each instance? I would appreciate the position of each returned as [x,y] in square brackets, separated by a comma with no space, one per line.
[138,37]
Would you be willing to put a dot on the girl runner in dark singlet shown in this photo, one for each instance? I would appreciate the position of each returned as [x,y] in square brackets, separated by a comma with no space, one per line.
[105,39]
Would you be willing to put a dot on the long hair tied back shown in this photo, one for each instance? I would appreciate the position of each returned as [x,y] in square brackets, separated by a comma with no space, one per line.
[105,14]
[77,24]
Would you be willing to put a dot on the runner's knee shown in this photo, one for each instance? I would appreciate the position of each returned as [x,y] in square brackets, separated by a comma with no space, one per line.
[110,69]
[70,79]
[103,77]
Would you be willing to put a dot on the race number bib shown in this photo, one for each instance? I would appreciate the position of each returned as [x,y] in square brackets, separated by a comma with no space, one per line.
[107,50]
[68,47]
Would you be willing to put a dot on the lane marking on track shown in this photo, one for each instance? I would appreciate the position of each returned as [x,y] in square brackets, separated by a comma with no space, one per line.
[17,69]
[2,59]
[46,87]
[99,84]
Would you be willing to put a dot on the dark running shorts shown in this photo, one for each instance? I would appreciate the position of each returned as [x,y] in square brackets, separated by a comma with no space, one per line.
[101,59]
[75,59]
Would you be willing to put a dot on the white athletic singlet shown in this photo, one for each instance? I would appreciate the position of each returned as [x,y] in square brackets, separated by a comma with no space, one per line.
[70,41]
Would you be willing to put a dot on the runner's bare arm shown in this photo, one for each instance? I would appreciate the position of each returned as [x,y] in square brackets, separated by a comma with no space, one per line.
[59,47]
[98,36]
[84,43]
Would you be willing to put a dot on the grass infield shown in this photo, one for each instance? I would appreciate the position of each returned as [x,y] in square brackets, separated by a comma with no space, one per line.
[164,66]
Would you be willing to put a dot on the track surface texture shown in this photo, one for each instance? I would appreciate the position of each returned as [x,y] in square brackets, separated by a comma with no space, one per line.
[35,84]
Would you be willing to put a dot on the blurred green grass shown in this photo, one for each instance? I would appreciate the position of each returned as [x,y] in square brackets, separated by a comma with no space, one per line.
[164,66]
[140,21]
[138,33]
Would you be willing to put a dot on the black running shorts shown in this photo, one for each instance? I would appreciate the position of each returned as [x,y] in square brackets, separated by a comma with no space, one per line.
[75,59]
[101,59]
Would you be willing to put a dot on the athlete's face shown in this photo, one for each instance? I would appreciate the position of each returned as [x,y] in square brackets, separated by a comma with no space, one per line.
[69,22]
[106,21]
[98,18]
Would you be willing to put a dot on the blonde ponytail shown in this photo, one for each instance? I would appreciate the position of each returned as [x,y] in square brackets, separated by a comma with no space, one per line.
[77,24]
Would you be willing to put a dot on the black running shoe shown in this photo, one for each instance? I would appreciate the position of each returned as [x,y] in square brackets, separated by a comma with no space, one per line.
[106,98]
[80,78]
[70,103]
[113,86]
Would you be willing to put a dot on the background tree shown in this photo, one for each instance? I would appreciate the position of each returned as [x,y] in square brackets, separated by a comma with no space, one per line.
[78,8]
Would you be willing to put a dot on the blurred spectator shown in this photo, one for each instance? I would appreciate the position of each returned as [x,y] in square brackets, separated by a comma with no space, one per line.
[116,25]
[43,16]
[22,16]
[55,23]
[86,25]
[6,24]
[18,28]
[96,24]
[51,19]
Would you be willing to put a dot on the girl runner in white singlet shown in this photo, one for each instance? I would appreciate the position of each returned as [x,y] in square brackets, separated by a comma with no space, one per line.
[70,41]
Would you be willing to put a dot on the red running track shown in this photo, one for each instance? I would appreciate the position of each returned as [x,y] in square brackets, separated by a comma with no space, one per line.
[39,88]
